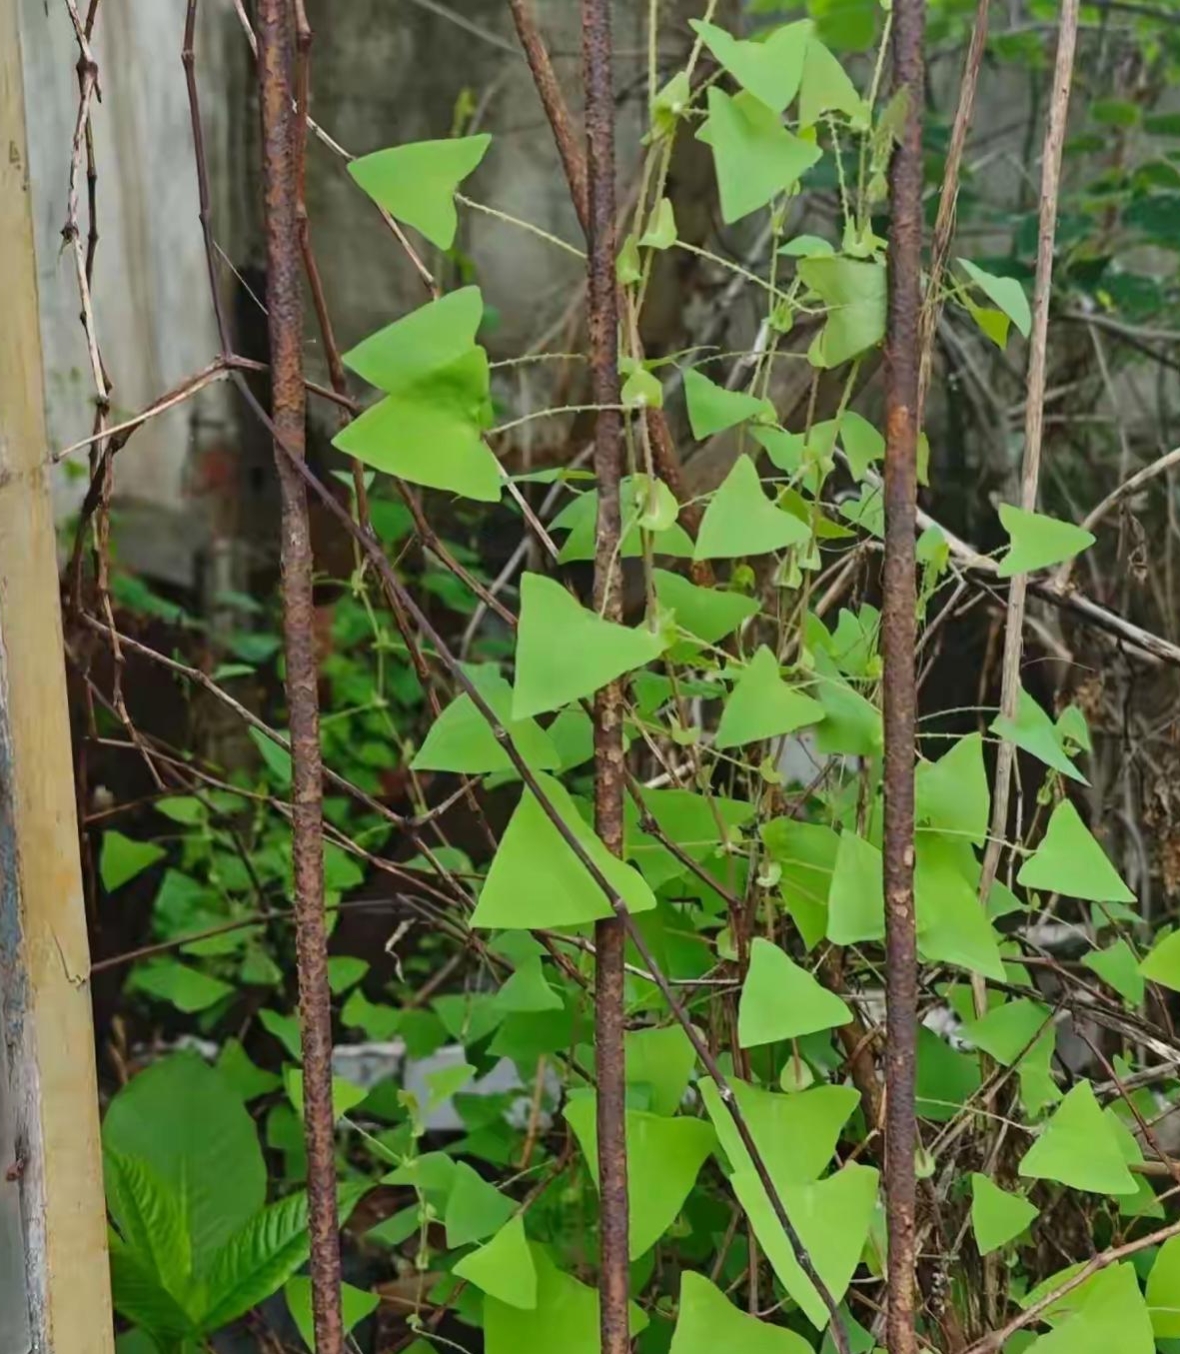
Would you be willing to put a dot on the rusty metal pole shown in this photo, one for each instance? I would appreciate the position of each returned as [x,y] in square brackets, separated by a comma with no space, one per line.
[609,771]
[899,634]
[282,133]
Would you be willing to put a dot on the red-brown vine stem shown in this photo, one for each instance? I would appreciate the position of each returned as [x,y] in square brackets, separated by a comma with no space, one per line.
[899,640]
[610,935]
[282,142]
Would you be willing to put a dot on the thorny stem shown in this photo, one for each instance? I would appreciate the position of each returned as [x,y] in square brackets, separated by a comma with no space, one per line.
[282,141]
[899,639]
[610,935]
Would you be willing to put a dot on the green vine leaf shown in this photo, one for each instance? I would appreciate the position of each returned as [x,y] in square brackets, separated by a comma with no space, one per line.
[756,158]
[740,520]
[661,229]
[1162,965]
[1005,292]
[770,70]
[565,652]
[355,1304]
[1113,1315]
[708,1321]
[664,1158]
[707,613]
[997,1217]
[1038,541]
[1078,1148]
[781,1000]
[856,903]
[826,88]
[1118,967]
[1070,861]
[1035,733]
[475,1208]
[952,793]
[862,443]
[660,1059]
[535,880]
[416,183]
[122,859]
[713,409]
[461,739]
[763,706]
[504,1268]
[853,290]
[952,927]
[1163,1291]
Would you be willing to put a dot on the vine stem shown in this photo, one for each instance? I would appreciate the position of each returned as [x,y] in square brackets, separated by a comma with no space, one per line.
[610,935]
[282,140]
[1034,418]
[899,636]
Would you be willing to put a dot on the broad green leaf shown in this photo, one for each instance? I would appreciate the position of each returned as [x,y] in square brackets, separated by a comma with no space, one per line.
[147,1212]
[826,88]
[804,246]
[852,725]
[122,859]
[426,342]
[853,290]
[1035,733]
[806,855]
[431,443]
[661,229]
[416,183]
[642,390]
[242,1075]
[565,652]
[139,1296]
[432,1174]
[708,613]
[1162,965]
[762,705]
[564,1319]
[1118,968]
[946,1078]
[579,515]
[856,902]
[1078,1148]
[756,158]
[462,740]
[527,990]
[993,323]
[1114,1316]
[188,989]
[1163,1291]
[1038,541]
[475,1208]
[712,408]
[862,443]
[832,1218]
[257,1260]
[997,1217]
[185,809]
[708,1323]
[504,1268]
[537,881]
[193,1131]
[770,70]
[796,1135]
[664,1158]
[952,927]
[741,521]
[662,1059]
[1070,861]
[1009,1030]
[1005,292]
[355,1305]
[781,1000]
[952,792]
[691,821]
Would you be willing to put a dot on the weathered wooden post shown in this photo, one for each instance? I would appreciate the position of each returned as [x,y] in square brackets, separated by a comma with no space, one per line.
[54,1284]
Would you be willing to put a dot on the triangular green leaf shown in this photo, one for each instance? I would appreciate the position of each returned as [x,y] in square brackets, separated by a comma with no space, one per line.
[1006,292]
[537,881]
[1113,1316]
[661,1059]
[952,927]
[762,705]
[1118,968]
[780,1000]
[355,1305]
[1162,965]
[712,408]
[123,858]
[1078,1148]
[862,443]
[708,613]
[475,1208]
[1038,541]
[856,902]
[661,229]
[952,792]
[565,652]
[423,343]
[416,183]
[853,290]
[1008,1030]
[504,1268]
[1033,731]
[826,88]
[997,1217]
[755,156]
[1070,861]
[664,1157]
[462,740]
[1163,1291]
[708,1322]
[771,70]
[740,520]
